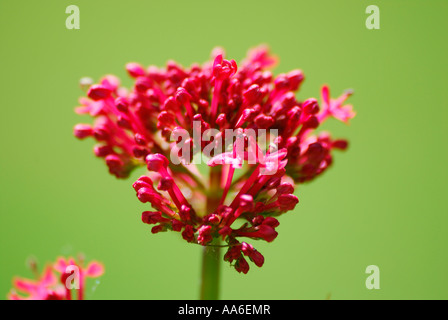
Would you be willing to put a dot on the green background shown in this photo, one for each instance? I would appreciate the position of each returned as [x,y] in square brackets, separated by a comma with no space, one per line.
[383,202]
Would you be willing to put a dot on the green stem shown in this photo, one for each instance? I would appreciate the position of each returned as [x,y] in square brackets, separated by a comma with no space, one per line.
[211,255]
[211,261]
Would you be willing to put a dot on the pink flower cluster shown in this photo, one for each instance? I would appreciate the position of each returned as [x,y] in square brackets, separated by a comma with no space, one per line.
[50,286]
[135,128]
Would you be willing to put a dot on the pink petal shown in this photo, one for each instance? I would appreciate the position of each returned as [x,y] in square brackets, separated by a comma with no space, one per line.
[94,270]
[60,265]
[218,60]
[325,97]
[71,262]
[82,110]
[344,113]
[48,278]
[111,82]
[25,285]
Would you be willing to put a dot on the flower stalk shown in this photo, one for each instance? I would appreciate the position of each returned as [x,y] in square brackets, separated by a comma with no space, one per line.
[210,274]
[211,254]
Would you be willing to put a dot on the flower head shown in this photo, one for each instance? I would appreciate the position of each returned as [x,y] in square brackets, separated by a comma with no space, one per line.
[55,283]
[174,113]
[46,287]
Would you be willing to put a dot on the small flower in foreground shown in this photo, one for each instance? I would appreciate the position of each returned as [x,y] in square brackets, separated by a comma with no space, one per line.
[54,284]
[142,126]
[46,287]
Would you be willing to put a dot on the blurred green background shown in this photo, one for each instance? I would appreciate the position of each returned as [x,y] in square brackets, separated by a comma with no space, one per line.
[383,202]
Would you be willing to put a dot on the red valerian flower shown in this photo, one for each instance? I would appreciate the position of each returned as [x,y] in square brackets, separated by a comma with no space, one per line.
[46,287]
[49,286]
[173,114]
[71,268]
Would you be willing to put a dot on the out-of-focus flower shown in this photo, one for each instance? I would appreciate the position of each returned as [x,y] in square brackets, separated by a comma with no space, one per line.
[143,127]
[47,287]
[55,283]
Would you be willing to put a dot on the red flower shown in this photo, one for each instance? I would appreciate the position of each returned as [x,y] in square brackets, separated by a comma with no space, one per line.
[46,287]
[174,113]
[50,287]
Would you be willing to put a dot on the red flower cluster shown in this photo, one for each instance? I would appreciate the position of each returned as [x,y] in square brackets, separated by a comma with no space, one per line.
[50,287]
[143,126]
